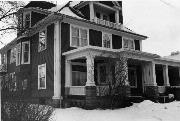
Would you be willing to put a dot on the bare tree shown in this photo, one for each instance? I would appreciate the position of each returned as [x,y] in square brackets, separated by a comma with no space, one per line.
[8,17]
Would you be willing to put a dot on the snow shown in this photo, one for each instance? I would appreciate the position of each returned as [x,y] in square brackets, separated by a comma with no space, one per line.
[144,111]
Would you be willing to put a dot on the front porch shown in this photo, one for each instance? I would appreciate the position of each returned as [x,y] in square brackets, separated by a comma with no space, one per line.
[93,73]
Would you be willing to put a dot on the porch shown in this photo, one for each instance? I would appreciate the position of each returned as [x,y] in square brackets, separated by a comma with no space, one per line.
[102,69]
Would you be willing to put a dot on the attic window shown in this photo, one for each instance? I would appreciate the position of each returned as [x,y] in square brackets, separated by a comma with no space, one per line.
[27,20]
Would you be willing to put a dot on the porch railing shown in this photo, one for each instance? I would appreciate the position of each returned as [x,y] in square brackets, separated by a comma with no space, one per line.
[3,68]
[107,23]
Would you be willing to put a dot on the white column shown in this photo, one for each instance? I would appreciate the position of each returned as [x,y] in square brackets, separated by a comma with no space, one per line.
[57,61]
[153,74]
[91,6]
[68,77]
[165,75]
[90,70]
[117,16]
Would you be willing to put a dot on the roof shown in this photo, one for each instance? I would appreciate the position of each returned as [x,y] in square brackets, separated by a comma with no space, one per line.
[175,56]
[40,4]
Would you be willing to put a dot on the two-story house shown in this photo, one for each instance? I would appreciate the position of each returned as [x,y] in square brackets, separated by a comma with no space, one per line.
[62,56]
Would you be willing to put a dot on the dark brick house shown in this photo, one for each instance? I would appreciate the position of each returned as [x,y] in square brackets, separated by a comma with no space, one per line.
[60,56]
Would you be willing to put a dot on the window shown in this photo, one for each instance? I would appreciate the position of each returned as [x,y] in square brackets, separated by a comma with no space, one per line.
[79,75]
[79,37]
[24,84]
[128,43]
[26,52]
[107,40]
[13,55]
[42,76]
[102,16]
[18,54]
[0,59]
[27,20]
[132,77]
[42,40]
[12,82]
[102,73]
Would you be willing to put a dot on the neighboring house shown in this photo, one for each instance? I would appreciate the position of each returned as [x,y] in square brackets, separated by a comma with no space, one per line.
[60,56]
[174,55]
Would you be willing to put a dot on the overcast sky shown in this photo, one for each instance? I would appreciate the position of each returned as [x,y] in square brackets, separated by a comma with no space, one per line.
[157,19]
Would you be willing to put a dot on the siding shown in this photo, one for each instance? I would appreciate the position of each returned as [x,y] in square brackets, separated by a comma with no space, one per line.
[95,38]
[38,58]
[35,17]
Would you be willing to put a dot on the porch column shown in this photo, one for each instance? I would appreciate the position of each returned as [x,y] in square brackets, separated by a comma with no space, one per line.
[165,75]
[91,6]
[68,77]
[90,70]
[117,16]
[153,72]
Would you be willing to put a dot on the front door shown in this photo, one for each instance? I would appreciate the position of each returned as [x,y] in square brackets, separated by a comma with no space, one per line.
[135,80]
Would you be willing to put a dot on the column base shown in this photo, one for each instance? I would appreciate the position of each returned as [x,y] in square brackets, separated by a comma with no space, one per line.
[91,100]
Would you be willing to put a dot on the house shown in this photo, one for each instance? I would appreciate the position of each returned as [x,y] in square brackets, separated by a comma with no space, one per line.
[174,55]
[60,57]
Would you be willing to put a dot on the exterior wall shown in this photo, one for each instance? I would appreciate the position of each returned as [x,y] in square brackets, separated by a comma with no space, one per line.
[38,58]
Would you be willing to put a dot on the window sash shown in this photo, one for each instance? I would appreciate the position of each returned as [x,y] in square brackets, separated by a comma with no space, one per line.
[42,41]
[42,76]
[107,40]
[79,37]
[25,53]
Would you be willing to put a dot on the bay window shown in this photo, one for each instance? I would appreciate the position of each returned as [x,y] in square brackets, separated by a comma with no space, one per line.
[26,52]
[79,36]
[18,54]
[42,76]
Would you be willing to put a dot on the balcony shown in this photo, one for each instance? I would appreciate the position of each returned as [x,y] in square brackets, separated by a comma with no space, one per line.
[3,68]
[108,23]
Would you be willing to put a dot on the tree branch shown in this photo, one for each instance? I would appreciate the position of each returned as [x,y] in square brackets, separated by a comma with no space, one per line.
[7,15]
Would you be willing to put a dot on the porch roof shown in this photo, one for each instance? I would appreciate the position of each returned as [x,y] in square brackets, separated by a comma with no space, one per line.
[107,52]
[115,53]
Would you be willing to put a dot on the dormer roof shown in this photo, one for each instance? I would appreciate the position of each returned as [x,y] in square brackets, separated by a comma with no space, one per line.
[40,4]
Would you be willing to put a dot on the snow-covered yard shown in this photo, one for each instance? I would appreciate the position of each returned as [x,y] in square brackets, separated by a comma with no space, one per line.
[144,111]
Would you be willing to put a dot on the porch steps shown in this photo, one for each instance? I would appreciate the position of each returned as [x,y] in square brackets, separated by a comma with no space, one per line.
[136,99]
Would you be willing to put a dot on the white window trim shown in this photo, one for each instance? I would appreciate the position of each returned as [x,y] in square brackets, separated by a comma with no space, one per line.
[129,39]
[45,39]
[18,63]
[39,88]
[22,58]
[79,27]
[110,39]
[24,15]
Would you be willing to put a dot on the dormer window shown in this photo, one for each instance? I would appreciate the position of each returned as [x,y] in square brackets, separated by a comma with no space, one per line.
[27,20]
[128,43]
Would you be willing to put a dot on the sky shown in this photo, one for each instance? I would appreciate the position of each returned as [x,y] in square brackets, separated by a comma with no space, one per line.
[157,19]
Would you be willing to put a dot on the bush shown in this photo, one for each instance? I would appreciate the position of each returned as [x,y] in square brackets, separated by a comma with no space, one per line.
[25,112]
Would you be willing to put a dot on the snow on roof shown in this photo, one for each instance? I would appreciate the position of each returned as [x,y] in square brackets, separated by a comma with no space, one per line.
[65,11]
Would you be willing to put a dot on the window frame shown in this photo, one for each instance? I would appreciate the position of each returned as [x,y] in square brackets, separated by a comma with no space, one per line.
[128,39]
[22,54]
[24,19]
[12,52]
[40,50]
[42,65]
[79,27]
[18,58]
[103,33]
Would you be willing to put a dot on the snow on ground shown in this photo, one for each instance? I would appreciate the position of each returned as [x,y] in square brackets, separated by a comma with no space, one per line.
[144,111]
